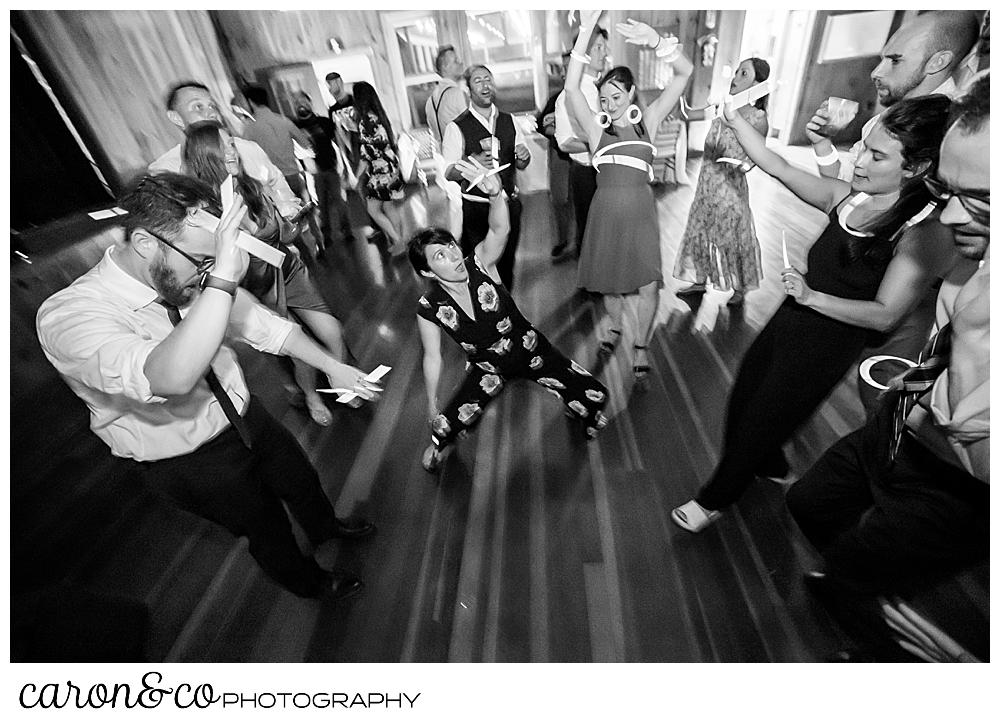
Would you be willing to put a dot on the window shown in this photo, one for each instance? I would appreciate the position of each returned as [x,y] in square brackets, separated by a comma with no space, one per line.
[413,41]
[501,40]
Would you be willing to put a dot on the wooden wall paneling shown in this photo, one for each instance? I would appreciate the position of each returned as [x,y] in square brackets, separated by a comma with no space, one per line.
[264,38]
[117,65]
[453,29]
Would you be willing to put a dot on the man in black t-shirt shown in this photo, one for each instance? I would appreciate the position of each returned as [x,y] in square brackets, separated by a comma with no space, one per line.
[322,134]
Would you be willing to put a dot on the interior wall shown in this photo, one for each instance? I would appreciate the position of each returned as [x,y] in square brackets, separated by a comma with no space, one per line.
[258,39]
[117,66]
[849,78]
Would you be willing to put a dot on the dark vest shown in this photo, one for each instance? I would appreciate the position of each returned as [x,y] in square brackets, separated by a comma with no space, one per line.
[473,132]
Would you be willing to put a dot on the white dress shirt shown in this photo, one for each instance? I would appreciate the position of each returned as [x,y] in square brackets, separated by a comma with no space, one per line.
[98,333]
[953,420]
[255,163]
[450,106]
[567,127]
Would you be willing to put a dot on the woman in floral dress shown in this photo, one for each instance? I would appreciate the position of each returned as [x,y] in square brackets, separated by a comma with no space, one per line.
[720,244]
[380,158]
[467,300]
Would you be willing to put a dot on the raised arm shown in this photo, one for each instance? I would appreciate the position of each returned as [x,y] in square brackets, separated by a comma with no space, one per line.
[575,99]
[926,252]
[637,33]
[430,337]
[823,193]
[181,360]
[823,147]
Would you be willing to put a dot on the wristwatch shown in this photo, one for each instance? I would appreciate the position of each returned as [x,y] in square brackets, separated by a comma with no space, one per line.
[214,282]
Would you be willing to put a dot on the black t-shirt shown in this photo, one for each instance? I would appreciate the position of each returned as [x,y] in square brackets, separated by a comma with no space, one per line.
[322,133]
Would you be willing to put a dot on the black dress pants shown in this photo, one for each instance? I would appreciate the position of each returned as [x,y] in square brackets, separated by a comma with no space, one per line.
[243,490]
[790,368]
[582,186]
[890,529]
[475,225]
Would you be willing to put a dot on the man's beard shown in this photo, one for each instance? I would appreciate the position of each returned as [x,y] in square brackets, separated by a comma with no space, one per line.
[167,286]
[898,92]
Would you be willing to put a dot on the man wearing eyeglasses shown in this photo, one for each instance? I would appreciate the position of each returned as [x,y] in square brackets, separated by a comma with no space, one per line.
[889,513]
[143,338]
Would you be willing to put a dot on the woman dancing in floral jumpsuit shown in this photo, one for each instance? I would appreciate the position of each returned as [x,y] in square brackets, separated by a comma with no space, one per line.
[468,301]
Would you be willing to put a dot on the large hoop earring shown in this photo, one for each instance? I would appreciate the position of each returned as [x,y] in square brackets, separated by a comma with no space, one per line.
[603,119]
[633,114]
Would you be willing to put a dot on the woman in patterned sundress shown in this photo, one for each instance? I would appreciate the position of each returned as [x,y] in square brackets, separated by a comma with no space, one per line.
[620,257]
[468,301]
[720,243]
[380,158]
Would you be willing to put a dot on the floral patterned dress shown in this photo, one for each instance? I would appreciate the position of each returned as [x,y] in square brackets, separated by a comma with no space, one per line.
[383,180]
[720,244]
[502,345]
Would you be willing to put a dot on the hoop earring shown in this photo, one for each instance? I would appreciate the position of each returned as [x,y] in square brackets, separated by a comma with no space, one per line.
[633,114]
[603,119]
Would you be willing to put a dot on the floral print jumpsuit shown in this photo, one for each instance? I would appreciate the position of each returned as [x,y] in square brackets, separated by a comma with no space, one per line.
[503,345]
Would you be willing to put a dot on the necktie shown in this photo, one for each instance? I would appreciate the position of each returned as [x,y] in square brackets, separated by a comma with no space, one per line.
[917,381]
[228,408]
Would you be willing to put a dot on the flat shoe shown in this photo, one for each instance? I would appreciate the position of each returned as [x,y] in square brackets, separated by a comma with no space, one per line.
[319,412]
[341,585]
[607,346]
[693,517]
[433,457]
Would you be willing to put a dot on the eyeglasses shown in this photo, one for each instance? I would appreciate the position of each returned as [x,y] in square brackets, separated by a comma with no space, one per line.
[202,267]
[976,205]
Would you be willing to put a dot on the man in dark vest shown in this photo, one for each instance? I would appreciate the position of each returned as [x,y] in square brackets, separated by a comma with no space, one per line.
[495,140]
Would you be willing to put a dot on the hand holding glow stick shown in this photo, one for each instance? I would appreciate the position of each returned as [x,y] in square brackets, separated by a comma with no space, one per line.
[784,251]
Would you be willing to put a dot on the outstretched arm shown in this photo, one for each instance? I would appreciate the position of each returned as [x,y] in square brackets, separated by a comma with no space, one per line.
[823,193]
[575,99]
[430,337]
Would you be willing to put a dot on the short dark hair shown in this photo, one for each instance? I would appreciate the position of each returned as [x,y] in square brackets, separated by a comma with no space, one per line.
[418,244]
[256,95]
[761,72]
[971,111]
[952,30]
[176,88]
[472,68]
[439,58]
[332,75]
[160,203]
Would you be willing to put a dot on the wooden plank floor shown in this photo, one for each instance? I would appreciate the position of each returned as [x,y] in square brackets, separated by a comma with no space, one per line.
[531,545]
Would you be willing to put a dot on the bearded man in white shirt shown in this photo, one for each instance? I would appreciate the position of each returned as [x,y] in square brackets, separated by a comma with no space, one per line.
[142,339]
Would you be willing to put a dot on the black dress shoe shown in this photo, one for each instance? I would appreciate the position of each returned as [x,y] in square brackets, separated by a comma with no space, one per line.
[352,528]
[558,249]
[340,585]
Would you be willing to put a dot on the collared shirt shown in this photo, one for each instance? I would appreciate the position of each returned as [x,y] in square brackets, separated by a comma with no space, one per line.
[567,127]
[98,333]
[953,421]
[449,106]
[453,144]
[255,163]
[274,134]
[947,88]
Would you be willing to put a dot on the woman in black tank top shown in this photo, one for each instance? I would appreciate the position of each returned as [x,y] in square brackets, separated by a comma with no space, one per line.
[875,260]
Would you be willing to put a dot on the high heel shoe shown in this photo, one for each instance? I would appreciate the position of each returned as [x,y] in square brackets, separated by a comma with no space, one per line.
[607,346]
[433,457]
[640,370]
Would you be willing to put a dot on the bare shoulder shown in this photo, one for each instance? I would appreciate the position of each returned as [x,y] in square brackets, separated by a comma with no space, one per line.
[931,243]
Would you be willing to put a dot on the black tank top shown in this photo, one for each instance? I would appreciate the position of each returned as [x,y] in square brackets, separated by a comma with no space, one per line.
[833,271]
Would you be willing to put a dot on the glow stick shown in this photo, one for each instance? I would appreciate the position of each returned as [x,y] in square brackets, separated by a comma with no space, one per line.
[733,161]
[380,372]
[269,254]
[750,95]
[784,250]
[481,177]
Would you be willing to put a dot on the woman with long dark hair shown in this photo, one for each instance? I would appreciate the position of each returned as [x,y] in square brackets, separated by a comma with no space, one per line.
[720,243]
[877,257]
[620,257]
[210,155]
[380,158]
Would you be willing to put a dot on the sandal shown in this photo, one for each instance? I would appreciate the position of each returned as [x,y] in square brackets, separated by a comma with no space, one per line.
[607,346]
[433,457]
[693,517]
[319,411]
[639,371]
